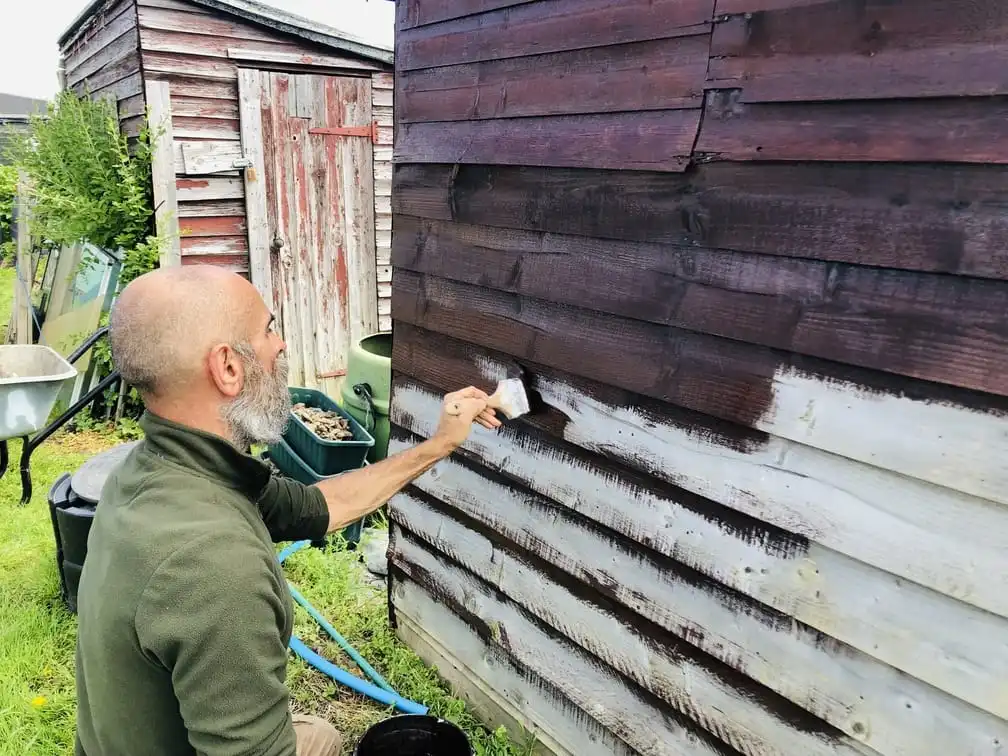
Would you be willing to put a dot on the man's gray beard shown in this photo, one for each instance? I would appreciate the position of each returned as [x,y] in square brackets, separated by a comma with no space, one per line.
[260,413]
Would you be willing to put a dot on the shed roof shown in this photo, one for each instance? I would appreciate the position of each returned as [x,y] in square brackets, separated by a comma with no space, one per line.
[16,106]
[269,16]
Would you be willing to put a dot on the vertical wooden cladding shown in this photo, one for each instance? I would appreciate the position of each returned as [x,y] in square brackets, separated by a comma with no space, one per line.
[103,58]
[382,111]
[846,80]
[520,84]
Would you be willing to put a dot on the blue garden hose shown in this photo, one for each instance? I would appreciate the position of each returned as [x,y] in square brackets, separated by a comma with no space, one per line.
[380,691]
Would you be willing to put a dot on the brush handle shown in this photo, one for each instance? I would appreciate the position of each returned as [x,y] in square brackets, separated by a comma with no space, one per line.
[455,408]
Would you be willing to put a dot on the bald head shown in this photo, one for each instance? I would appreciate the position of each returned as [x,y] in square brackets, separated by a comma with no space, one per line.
[165,322]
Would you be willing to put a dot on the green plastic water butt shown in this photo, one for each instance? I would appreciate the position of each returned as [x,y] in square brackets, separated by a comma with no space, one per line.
[367,387]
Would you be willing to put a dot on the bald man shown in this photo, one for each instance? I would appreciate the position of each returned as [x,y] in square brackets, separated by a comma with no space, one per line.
[184,613]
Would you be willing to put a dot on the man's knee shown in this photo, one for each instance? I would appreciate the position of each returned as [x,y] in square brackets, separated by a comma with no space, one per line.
[316,737]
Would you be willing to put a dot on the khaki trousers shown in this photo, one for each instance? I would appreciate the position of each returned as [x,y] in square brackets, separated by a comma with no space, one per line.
[315,736]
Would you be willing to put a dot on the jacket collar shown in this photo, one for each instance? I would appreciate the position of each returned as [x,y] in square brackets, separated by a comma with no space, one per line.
[205,454]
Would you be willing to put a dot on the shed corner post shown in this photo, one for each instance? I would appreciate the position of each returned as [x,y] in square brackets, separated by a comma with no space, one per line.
[256,215]
[163,172]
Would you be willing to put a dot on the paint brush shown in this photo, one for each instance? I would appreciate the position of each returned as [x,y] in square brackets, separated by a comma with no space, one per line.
[510,399]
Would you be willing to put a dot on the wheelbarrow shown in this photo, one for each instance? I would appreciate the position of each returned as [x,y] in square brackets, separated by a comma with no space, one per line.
[31,377]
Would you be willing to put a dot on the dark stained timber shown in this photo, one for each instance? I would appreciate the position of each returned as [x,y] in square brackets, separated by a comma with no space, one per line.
[936,218]
[656,140]
[947,130]
[924,326]
[653,75]
[548,26]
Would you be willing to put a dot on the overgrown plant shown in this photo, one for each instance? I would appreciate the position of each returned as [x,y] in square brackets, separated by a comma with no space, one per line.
[88,183]
[8,195]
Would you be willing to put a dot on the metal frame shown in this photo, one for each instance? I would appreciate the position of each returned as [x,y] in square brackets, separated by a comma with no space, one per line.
[31,444]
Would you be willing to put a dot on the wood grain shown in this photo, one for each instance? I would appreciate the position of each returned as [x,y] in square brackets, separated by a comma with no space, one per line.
[213,226]
[832,681]
[165,191]
[593,687]
[209,188]
[533,572]
[937,218]
[251,106]
[947,130]
[657,141]
[117,23]
[612,485]
[717,376]
[545,27]
[873,50]
[179,19]
[911,324]
[543,706]
[422,12]
[654,75]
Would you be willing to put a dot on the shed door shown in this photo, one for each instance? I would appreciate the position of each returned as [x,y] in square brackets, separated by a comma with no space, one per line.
[310,201]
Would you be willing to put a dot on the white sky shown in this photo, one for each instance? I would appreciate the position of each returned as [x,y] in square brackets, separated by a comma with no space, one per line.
[29,54]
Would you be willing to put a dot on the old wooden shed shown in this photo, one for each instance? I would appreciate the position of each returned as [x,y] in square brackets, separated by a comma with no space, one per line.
[273,159]
[753,258]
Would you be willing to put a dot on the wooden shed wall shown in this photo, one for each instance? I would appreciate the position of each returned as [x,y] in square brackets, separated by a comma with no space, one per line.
[752,259]
[188,46]
[103,57]
[381,111]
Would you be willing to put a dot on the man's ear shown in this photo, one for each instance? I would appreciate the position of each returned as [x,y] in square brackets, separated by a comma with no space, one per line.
[226,370]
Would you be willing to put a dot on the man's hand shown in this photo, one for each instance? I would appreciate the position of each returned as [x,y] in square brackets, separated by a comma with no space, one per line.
[459,411]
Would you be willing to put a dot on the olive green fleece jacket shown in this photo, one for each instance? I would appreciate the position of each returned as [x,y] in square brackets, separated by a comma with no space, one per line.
[184,612]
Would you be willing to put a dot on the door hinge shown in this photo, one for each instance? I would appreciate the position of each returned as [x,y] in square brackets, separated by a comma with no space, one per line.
[361,131]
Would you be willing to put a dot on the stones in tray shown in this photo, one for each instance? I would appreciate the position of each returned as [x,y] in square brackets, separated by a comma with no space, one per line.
[329,426]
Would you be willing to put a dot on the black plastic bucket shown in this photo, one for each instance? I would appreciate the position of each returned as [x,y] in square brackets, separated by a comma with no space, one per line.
[414,735]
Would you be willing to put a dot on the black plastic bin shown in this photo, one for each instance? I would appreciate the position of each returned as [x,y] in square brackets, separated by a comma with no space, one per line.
[414,735]
[326,457]
[71,520]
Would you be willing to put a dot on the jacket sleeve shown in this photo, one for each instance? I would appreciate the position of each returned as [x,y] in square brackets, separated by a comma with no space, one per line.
[293,511]
[213,616]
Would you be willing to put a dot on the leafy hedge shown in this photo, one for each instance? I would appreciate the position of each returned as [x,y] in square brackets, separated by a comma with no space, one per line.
[88,183]
[8,194]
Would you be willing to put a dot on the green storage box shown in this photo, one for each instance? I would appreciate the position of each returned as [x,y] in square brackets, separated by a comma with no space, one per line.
[365,390]
[291,465]
[326,457]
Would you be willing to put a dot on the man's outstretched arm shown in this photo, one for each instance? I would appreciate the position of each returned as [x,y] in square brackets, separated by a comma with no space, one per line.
[355,494]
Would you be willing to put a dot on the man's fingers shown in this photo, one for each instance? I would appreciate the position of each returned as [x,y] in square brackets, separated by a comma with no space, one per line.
[469,392]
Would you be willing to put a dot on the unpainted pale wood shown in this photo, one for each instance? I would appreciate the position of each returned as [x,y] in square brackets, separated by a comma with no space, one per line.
[831,681]
[914,629]
[487,701]
[257,219]
[593,692]
[198,158]
[382,111]
[22,317]
[209,188]
[689,685]
[166,194]
[296,58]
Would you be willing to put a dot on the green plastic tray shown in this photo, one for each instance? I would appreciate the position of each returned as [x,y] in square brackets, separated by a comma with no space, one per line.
[291,465]
[326,457]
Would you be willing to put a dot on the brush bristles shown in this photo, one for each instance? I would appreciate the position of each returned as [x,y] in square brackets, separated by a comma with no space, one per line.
[513,399]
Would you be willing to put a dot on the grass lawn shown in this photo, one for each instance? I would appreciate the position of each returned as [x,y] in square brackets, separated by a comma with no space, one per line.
[37,699]
[7,279]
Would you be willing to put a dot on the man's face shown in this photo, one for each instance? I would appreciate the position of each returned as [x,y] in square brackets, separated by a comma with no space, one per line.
[261,411]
